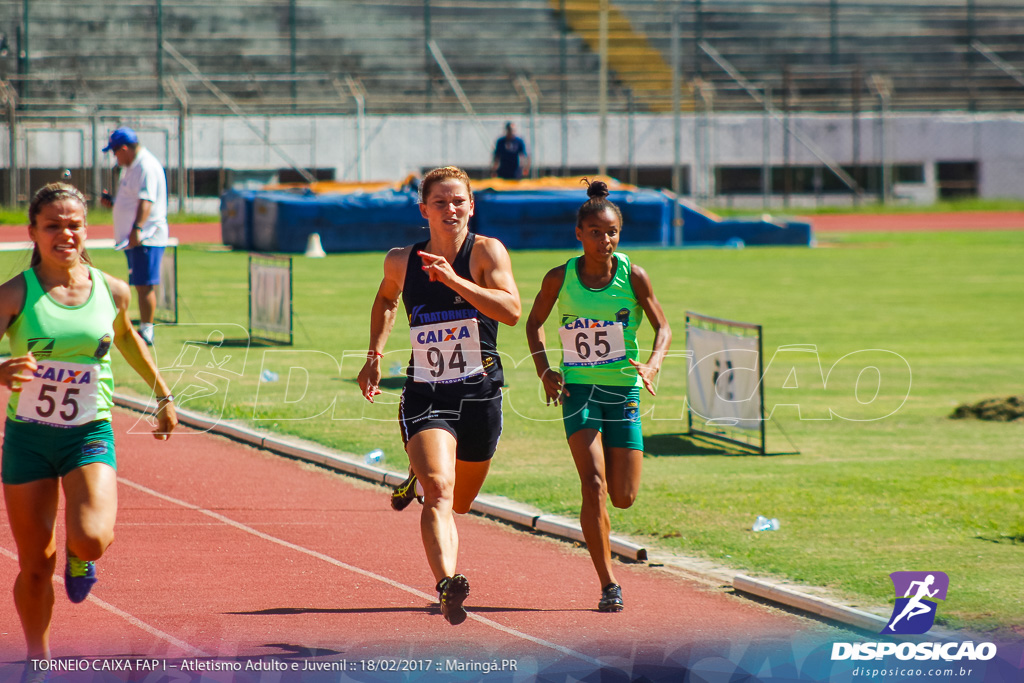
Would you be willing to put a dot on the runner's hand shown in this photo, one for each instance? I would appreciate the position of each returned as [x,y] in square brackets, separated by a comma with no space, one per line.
[554,388]
[369,378]
[647,373]
[14,371]
[167,420]
[437,268]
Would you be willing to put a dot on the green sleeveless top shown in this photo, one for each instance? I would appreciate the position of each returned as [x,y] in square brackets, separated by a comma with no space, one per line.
[598,328]
[74,383]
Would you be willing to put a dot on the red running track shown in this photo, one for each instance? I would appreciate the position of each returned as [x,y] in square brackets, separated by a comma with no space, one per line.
[186,234]
[227,552]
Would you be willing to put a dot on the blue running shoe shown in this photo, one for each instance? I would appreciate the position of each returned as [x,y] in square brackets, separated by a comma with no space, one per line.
[79,577]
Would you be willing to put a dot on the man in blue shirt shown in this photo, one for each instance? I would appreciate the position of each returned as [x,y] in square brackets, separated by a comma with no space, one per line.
[510,158]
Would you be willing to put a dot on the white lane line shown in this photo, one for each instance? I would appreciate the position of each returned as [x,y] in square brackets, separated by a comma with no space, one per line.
[356,570]
[134,621]
[190,524]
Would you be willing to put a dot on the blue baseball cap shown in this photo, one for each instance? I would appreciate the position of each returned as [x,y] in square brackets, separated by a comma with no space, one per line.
[121,136]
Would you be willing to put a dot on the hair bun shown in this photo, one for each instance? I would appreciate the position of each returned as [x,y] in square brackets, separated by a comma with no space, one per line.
[596,189]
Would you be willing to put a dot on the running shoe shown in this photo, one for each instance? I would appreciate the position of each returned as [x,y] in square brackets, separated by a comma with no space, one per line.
[79,577]
[404,493]
[611,599]
[32,675]
[452,592]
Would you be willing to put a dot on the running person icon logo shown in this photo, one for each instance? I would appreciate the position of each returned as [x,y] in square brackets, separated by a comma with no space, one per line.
[916,592]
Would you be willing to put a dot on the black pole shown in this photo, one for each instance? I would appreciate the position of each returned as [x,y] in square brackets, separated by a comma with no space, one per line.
[292,48]
[787,171]
[563,72]
[855,88]
[698,31]
[428,64]
[972,57]
[833,32]
[160,52]
[23,61]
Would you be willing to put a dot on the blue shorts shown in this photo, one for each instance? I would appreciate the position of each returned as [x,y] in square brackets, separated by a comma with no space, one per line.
[144,265]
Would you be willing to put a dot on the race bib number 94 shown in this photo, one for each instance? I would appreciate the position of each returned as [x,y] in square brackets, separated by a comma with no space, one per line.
[446,352]
[61,395]
[591,342]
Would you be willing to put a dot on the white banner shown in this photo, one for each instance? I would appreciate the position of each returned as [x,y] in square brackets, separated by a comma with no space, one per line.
[722,385]
[167,290]
[270,298]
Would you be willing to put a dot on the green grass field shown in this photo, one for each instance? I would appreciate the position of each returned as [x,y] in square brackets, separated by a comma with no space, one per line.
[101,216]
[874,207]
[866,496]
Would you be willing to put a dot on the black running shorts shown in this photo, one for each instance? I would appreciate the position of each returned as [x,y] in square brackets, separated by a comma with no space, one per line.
[475,423]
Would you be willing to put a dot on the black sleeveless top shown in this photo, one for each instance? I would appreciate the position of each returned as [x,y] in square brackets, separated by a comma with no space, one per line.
[429,303]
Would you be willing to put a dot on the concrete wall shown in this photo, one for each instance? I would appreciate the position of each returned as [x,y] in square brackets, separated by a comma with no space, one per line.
[398,145]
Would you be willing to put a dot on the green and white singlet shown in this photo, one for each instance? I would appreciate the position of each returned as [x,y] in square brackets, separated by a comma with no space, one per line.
[598,328]
[73,382]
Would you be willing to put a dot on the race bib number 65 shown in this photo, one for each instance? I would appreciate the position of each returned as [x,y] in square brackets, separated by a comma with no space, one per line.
[588,342]
[62,394]
[446,352]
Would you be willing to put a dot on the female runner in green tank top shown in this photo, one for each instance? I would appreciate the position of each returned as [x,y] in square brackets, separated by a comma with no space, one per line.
[601,298]
[62,316]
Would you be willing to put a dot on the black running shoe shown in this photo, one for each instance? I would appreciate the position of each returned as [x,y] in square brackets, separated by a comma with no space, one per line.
[404,493]
[452,593]
[611,599]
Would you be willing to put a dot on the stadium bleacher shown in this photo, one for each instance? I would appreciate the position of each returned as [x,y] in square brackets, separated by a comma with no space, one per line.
[290,56]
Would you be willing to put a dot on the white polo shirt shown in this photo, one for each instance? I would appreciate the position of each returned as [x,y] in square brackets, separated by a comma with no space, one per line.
[143,180]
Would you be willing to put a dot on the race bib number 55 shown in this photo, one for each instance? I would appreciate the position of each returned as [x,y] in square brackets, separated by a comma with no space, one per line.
[62,394]
[446,352]
[591,342]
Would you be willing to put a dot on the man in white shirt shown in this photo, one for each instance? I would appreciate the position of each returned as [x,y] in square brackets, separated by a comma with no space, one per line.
[140,219]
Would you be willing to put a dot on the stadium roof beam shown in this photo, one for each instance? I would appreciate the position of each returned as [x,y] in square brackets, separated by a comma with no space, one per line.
[1009,69]
[459,92]
[230,103]
[822,156]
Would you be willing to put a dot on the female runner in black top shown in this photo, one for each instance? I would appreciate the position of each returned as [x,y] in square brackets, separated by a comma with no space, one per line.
[456,287]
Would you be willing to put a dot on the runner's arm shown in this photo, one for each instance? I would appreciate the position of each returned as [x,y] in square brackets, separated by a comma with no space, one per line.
[134,350]
[14,371]
[542,306]
[382,319]
[141,216]
[644,292]
[498,296]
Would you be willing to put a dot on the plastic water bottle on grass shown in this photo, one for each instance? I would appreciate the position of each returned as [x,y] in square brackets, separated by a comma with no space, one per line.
[762,523]
[374,457]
